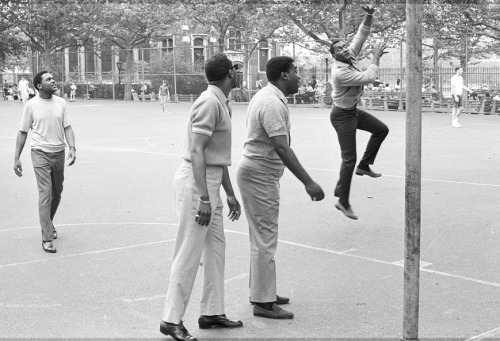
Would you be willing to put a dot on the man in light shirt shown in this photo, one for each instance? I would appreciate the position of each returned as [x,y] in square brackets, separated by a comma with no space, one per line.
[266,153]
[348,81]
[200,241]
[457,87]
[47,117]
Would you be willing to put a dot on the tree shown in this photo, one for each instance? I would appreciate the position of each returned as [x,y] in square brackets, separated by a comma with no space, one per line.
[323,21]
[131,25]
[49,26]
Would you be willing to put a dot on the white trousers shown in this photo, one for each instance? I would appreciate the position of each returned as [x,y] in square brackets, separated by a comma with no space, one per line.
[260,192]
[196,246]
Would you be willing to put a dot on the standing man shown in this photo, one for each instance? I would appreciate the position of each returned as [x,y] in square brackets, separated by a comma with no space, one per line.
[266,153]
[23,89]
[200,235]
[72,92]
[457,87]
[348,81]
[164,94]
[47,117]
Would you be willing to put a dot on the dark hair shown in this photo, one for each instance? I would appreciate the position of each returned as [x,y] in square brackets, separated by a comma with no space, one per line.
[38,78]
[217,66]
[276,65]
[332,46]
[457,68]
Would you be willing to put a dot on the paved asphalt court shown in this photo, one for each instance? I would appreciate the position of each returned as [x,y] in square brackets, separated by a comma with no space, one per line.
[116,227]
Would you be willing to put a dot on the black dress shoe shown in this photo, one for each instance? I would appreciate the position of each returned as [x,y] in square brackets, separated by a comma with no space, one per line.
[217,321]
[279,300]
[367,171]
[187,336]
[276,313]
[176,331]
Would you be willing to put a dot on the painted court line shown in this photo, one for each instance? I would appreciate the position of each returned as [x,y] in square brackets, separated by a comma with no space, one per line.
[90,224]
[162,296]
[488,335]
[346,254]
[423,179]
[30,306]
[85,253]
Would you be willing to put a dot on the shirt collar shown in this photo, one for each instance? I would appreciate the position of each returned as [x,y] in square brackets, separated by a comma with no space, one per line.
[277,91]
[218,92]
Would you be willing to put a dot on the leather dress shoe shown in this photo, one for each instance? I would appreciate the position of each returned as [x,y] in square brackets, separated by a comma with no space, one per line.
[217,321]
[279,300]
[176,331]
[347,210]
[369,172]
[48,247]
[276,313]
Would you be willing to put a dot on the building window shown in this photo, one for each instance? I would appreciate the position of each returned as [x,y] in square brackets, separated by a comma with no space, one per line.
[73,59]
[263,55]
[234,40]
[106,57]
[89,59]
[199,51]
[167,46]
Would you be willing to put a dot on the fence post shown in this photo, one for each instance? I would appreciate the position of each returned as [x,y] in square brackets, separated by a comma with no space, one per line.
[191,98]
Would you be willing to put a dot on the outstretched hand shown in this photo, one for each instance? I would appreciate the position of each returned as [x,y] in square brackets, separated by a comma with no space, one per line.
[380,51]
[369,9]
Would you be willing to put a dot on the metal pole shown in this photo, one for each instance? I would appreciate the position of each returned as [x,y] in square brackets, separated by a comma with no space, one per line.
[413,168]
[175,74]
[401,75]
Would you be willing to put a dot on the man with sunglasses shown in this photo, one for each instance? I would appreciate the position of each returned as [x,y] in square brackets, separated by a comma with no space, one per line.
[348,81]
[200,232]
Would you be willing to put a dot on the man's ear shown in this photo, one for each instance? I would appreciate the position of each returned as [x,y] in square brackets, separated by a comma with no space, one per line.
[284,75]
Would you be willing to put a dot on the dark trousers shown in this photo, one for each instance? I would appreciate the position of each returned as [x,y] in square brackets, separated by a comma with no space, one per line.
[346,122]
[49,172]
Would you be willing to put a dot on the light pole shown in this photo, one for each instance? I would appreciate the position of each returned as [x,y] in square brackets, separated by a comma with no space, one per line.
[119,66]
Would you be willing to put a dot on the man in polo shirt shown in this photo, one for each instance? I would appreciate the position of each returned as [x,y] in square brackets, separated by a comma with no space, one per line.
[200,235]
[265,155]
[47,117]
[348,81]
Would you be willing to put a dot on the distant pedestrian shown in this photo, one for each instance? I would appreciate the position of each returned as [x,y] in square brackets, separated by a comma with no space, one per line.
[200,238]
[348,81]
[47,117]
[266,153]
[23,89]
[164,94]
[457,88]
[72,92]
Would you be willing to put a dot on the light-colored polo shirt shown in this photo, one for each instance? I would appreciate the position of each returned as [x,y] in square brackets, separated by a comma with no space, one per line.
[267,116]
[210,116]
[47,119]
[348,79]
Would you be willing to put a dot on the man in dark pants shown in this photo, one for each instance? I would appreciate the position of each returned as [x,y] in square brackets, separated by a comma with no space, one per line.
[348,81]
[47,117]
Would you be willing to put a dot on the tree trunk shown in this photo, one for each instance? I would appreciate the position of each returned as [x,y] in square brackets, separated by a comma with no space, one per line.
[129,73]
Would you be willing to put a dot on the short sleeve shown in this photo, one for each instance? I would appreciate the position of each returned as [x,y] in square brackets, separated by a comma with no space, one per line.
[204,118]
[66,118]
[27,119]
[274,119]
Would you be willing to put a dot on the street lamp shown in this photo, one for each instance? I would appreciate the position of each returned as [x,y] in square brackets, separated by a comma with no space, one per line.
[119,66]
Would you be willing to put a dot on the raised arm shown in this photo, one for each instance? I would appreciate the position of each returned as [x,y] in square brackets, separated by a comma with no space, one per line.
[363,30]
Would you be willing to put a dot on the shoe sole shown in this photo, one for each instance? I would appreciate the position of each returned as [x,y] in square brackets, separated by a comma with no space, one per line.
[217,326]
[347,215]
[367,174]
[286,317]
